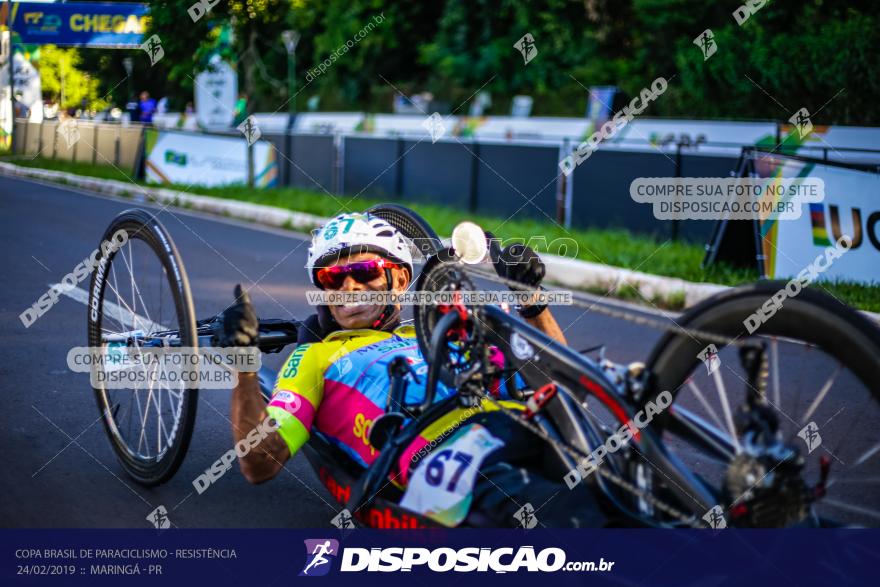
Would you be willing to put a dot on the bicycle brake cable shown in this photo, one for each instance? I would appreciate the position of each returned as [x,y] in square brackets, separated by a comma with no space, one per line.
[629,316]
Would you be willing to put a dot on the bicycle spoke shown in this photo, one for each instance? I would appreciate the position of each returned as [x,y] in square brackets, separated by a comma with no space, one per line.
[849,481]
[146,325]
[850,508]
[725,406]
[140,412]
[137,289]
[712,413]
[867,455]
[116,306]
[159,422]
[774,353]
[130,274]
[821,395]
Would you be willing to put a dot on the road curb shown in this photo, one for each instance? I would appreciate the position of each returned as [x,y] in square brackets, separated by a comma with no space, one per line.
[567,272]
[258,213]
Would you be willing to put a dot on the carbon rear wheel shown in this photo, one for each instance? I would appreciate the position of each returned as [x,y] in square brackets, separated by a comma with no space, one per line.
[819,377]
[137,290]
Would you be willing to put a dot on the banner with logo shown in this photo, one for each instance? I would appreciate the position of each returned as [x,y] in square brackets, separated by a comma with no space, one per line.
[171,555]
[216,90]
[27,90]
[80,24]
[851,208]
[185,158]
[723,137]
[600,102]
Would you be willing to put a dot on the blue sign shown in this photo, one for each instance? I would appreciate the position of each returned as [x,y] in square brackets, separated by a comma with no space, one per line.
[80,24]
[599,104]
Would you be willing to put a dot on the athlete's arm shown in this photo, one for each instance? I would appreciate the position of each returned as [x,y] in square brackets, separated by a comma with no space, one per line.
[249,412]
[546,323]
[263,461]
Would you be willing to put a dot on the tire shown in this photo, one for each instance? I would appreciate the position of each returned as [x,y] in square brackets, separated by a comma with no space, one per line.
[849,346]
[411,225]
[156,250]
[812,316]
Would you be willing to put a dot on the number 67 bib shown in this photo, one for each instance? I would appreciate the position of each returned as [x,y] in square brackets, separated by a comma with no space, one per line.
[441,486]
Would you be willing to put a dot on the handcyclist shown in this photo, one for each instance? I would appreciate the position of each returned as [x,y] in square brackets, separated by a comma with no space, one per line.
[336,382]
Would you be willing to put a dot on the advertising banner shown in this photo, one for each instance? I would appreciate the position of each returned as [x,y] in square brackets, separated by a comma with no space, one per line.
[708,137]
[5,90]
[216,90]
[184,158]
[851,208]
[80,24]
[170,555]
[600,102]
[27,90]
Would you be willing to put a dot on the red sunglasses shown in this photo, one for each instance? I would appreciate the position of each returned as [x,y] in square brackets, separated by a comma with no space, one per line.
[360,271]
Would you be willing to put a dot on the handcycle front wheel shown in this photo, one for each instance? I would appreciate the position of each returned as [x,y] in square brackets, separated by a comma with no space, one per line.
[137,290]
[816,379]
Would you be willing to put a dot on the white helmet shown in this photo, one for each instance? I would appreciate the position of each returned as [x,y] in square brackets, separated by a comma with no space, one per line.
[356,233]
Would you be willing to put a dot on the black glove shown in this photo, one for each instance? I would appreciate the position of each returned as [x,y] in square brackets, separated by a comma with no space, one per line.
[240,325]
[520,263]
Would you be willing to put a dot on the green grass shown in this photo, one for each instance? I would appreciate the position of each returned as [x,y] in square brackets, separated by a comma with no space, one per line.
[102,171]
[612,247]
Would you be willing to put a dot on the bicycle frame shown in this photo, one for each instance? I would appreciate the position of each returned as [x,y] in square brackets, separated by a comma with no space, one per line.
[545,361]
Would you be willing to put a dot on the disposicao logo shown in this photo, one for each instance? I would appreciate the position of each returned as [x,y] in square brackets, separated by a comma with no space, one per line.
[319,553]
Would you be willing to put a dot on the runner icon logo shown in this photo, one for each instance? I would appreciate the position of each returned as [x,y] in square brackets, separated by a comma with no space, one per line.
[319,553]
[343,520]
[159,518]
[526,516]
[715,518]
[706,42]
[526,46]
[810,435]
[154,50]
[709,356]
[435,127]
[802,123]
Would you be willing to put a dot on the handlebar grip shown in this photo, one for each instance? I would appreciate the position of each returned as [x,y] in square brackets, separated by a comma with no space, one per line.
[275,334]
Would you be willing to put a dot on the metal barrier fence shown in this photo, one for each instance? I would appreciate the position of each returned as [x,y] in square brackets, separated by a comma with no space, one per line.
[81,142]
[504,179]
[500,178]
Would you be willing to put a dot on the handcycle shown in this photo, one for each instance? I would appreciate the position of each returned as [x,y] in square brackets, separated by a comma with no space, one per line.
[750,454]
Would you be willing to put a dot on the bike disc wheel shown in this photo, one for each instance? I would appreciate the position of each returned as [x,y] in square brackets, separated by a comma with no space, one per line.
[820,374]
[135,292]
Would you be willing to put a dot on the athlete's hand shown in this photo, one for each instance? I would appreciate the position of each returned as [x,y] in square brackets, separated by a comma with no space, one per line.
[520,263]
[240,324]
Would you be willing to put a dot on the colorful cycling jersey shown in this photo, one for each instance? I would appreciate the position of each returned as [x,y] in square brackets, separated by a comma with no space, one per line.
[340,386]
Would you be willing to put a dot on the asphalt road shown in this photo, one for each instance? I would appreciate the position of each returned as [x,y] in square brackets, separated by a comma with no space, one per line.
[59,469]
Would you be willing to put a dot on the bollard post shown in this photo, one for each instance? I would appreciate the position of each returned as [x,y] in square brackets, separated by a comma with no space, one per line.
[250,165]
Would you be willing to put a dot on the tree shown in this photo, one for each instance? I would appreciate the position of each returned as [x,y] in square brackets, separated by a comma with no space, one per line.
[800,53]
[64,82]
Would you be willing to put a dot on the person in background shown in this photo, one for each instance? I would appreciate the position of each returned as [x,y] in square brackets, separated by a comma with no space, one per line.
[20,109]
[162,106]
[185,115]
[147,108]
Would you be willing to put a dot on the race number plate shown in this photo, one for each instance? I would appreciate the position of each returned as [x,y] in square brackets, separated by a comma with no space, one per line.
[441,486]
